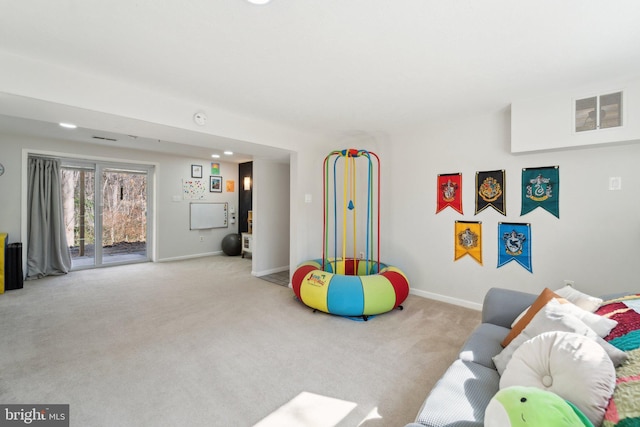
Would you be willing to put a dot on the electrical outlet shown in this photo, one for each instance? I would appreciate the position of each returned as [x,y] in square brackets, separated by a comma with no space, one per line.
[202,238]
[361,255]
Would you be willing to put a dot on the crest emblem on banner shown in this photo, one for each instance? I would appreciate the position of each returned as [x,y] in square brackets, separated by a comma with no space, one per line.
[514,243]
[450,191]
[541,188]
[468,240]
[490,191]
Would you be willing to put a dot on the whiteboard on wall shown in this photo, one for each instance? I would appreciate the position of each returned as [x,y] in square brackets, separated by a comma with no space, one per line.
[207,215]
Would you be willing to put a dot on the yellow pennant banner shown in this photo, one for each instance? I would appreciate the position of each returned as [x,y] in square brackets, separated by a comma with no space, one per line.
[468,240]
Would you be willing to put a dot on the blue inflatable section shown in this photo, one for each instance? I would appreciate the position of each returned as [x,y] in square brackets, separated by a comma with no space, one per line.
[345,295]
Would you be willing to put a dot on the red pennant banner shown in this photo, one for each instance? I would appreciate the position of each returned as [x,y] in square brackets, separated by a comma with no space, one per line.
[449,191]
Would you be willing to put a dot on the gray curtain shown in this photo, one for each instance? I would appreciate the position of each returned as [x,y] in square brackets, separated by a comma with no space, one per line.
[47,249]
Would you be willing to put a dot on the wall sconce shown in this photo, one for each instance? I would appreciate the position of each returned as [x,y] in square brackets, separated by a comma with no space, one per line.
[247,183]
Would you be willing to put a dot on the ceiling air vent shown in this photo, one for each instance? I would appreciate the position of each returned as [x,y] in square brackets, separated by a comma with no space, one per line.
[103,138]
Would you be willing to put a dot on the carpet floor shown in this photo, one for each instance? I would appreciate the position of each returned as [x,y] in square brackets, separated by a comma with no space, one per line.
[201,342]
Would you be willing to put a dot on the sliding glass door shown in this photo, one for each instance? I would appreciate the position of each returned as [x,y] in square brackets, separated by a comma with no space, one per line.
[124,215]
[107,214]
[78,194]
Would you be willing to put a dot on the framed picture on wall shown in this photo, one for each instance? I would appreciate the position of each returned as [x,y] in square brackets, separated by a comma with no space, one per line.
[196,171]
[215,184]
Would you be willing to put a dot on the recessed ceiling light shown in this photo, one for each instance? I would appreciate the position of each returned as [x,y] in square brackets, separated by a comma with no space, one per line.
[215,156]
[228,153]
[68,125]
[258,1]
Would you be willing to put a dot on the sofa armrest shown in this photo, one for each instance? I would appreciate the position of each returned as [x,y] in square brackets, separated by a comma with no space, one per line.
[502,306]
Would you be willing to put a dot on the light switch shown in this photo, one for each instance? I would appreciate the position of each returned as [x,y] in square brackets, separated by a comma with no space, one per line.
[615,183]
[307,198]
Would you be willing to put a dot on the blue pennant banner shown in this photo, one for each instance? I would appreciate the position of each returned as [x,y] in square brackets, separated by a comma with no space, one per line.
[514,243]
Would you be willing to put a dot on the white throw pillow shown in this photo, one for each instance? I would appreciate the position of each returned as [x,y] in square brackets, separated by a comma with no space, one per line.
[571,365]
[600,325]
[582,300]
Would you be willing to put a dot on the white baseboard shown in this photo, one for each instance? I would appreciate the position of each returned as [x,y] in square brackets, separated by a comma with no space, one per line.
[444,298]
[270,271]
[182,258]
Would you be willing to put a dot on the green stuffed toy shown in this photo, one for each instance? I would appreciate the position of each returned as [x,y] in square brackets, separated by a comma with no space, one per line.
[529,406]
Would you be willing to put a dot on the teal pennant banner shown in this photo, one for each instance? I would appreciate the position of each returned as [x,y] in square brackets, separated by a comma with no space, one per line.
[541,188]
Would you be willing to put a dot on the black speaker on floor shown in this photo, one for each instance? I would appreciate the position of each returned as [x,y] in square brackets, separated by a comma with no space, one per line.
[13,278]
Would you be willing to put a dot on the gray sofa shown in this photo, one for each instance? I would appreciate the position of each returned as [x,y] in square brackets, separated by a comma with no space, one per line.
[460,397]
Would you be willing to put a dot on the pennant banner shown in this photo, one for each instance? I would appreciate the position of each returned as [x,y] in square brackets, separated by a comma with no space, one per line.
[541,188]
[514,243]
[468,240]
[490,190]
[449,191]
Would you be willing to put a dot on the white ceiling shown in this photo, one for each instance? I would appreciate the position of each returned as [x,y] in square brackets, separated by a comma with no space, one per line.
[335,67]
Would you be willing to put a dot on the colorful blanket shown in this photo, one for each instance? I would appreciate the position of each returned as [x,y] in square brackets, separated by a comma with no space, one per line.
[624,407]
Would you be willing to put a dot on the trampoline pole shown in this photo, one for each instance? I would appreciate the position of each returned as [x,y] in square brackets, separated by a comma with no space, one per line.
[324,211]
[344,213]
[353,199]
[369,213]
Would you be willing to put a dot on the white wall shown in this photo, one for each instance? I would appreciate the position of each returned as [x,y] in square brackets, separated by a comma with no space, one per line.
[306,217]
[594,242]
[173,239]
[270,217]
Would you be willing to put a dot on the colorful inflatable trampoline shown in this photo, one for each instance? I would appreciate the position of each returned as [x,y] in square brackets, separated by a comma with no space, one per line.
[350,286]
[361,290]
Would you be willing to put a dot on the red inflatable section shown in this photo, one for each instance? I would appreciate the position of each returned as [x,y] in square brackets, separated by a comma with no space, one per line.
[299,275]
[400,285]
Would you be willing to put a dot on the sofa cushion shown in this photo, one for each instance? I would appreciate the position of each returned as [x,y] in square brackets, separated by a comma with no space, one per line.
[460,397]
[501,306]
[483,344]
[571,365]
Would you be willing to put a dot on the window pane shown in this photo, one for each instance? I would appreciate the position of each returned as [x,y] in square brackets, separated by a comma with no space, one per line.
[586,118]
[610,110]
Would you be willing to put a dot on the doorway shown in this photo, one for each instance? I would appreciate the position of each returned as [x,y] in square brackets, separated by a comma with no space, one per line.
[107,212]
